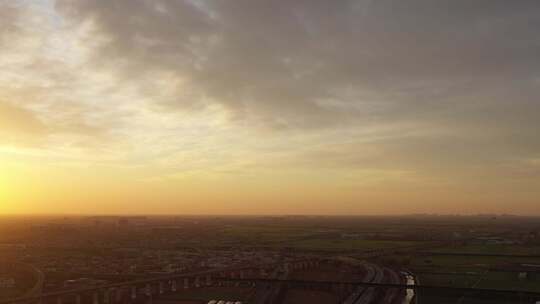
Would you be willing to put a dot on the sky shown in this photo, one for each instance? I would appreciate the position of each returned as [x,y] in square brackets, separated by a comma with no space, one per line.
[269,107]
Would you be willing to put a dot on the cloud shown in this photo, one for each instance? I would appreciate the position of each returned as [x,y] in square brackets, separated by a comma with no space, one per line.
[421,97]
[374,85]
[19,126]
[8,15]
[465,70]
[317,63]
[44,85]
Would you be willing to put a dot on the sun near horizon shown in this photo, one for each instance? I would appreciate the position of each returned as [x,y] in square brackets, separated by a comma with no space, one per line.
[276,107]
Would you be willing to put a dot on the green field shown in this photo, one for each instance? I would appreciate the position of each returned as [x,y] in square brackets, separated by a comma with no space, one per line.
[468,271]
[492,249]
[301,238]
[451,280]
[467,263]
[264,233]
[346,244]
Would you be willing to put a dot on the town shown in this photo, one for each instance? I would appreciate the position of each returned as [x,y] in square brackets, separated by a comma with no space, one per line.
[271,259]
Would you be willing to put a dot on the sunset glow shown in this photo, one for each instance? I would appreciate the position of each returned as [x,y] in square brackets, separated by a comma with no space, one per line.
[276,107]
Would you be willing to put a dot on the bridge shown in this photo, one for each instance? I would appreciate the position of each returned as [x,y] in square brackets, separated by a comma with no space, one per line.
[133,291]
[145,291]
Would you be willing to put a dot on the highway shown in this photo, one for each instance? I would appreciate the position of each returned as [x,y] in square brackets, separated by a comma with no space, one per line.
[368,277]
[40,278]
[369,294]
[267,292]
[375,274]
[391,294]
[362,294]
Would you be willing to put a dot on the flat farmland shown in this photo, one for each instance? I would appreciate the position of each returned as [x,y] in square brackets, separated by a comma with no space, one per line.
[490,249]
[347,244]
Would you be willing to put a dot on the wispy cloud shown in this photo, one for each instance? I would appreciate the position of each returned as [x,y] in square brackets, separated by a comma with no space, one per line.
[422,90]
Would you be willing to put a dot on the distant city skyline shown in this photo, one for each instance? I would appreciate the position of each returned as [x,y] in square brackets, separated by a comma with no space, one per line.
[369,107]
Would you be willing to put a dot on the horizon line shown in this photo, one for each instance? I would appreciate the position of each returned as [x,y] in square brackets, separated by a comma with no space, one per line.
[259,215]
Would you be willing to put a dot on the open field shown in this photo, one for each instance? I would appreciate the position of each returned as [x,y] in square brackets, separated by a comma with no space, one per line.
[264,234]
[474,271]
[346,244]
[466,263]
[303,238]
[492,249]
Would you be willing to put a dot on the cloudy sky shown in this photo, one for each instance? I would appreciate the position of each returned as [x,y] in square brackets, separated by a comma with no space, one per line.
[270,107]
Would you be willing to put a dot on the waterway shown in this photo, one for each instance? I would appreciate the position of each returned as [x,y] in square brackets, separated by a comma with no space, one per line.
[409,297]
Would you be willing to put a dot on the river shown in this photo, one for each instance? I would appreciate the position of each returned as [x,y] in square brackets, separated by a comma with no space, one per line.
[409,297]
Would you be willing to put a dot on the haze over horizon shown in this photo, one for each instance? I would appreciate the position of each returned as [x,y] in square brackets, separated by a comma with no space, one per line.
[269,107]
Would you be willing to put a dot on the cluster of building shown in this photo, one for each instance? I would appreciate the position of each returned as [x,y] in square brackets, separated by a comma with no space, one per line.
[7,283]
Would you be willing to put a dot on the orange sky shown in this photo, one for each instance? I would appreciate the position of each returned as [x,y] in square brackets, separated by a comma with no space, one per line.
[250,107]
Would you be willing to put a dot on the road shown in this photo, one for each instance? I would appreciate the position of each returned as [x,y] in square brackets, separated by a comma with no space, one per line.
[391,294]
[40,279]
[268,292]
[368,277]
[369,294]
